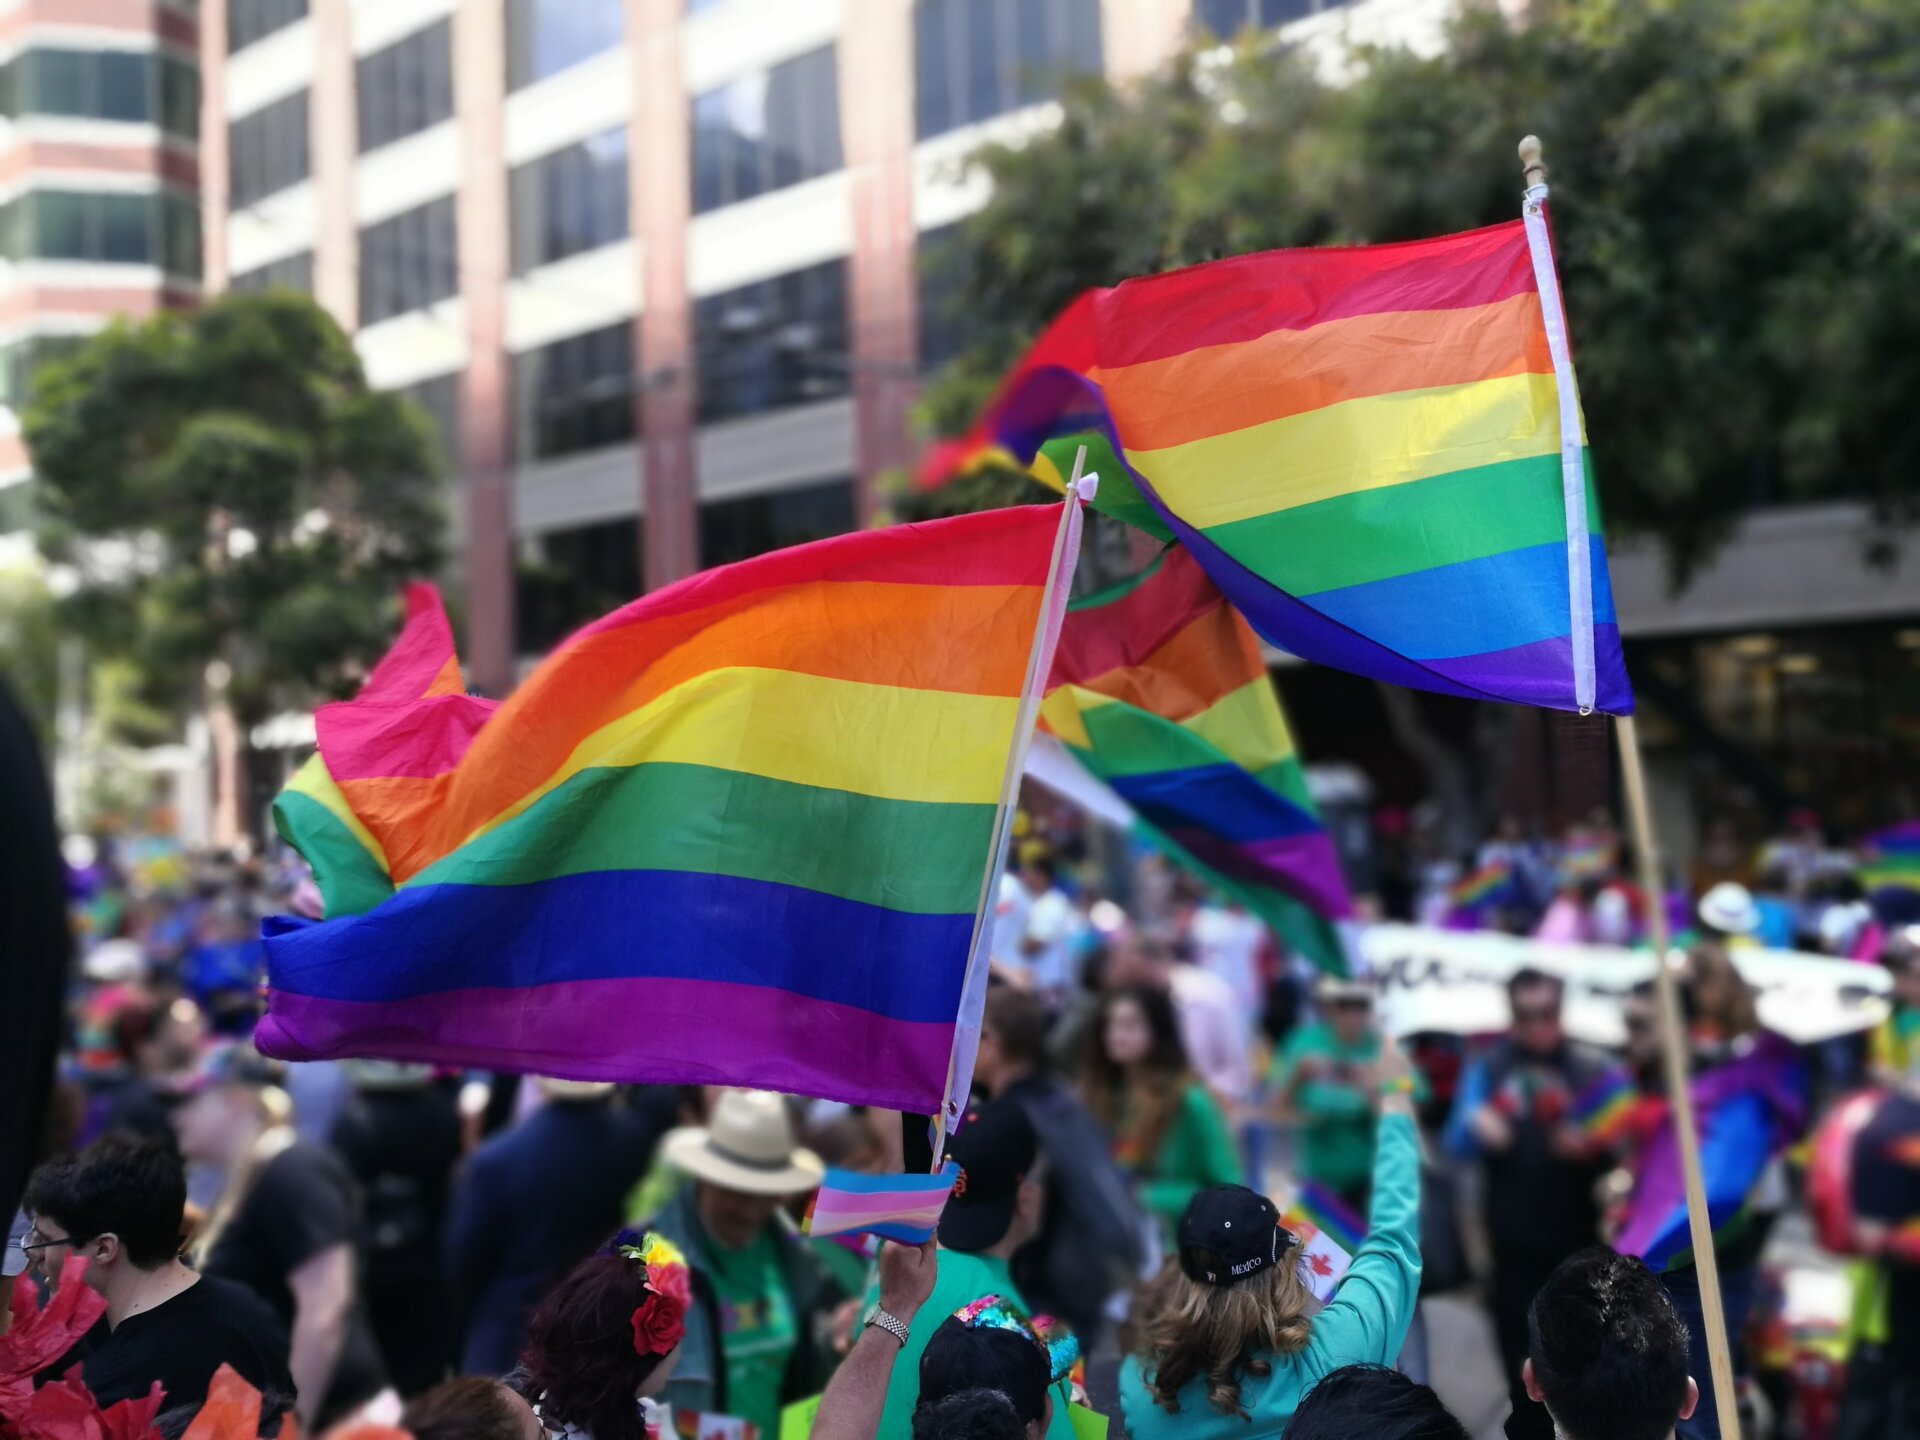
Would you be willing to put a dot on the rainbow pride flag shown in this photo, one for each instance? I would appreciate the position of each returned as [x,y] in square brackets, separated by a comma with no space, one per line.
[1891,857]
[905,1208]
[1493,883]
[1329,1233]
[1601,1111]
[1376,453]
[1159,689]
[736,832]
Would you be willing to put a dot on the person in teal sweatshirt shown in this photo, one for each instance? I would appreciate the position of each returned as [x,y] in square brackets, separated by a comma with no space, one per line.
[1226,1348]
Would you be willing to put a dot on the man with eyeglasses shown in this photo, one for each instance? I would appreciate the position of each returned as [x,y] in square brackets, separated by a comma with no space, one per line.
[118,1205]
[1514,1111]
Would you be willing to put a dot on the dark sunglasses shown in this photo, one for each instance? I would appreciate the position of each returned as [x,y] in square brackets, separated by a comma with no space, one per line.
[1534,1014]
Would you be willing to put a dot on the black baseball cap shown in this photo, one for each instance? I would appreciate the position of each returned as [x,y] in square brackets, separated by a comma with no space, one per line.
[1228,1233]
[995,1151]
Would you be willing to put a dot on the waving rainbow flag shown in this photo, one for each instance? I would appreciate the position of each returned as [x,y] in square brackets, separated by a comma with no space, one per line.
[1376,453]
[1159,689]
[736,832]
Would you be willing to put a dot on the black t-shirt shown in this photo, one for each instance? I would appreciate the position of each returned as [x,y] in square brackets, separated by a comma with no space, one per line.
[183,1341]
[302,1203]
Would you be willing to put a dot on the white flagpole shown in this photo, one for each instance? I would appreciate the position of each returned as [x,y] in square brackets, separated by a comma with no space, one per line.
[1046,631]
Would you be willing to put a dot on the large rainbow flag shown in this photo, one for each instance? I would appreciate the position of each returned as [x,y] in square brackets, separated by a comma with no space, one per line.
[1159,689]
[1376,453]
[735,832]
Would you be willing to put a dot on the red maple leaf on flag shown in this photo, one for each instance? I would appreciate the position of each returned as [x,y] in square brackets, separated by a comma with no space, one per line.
[1321,1265]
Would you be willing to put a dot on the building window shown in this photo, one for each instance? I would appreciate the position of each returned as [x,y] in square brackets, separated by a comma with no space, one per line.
[136,86]
[1227,18]
[409,262]
[772,344]
[974,59]
[576,394]
[290,272]
[19,361]
[406,87]
[752,525]
[267,150]
[251,20]
[766,131]
[946,326]
[571,201]
[545,37]
[568,577]
[107,227]
[440,398]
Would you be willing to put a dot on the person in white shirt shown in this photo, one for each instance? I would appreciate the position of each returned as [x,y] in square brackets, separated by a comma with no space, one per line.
[1226,943]
[1034,927]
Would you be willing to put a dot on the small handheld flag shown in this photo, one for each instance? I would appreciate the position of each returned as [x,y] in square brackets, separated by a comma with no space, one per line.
[1329,1234]
[905,1208]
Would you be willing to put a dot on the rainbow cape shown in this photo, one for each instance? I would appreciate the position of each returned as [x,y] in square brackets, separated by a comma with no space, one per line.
[1747,1110]
[1159,689]
[736,832]
[1376,453]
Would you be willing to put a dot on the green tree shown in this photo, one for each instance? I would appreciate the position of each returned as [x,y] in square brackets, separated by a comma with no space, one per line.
[230,490]
[1736,206]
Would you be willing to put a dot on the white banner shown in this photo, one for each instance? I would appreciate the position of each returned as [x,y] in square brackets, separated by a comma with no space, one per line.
[1454,982]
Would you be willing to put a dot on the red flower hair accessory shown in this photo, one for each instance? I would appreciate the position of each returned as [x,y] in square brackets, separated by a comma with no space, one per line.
[661,1319]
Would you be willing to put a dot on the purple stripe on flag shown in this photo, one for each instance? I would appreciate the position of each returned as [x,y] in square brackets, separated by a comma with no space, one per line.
[633,1030]
[1303,866]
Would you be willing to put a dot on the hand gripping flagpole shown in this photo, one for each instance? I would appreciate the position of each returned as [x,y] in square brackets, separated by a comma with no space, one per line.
[1046,632]
[1673,1047]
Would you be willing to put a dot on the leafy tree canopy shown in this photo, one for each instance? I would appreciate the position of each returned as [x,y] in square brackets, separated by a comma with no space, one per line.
[1736,206]
[229,488]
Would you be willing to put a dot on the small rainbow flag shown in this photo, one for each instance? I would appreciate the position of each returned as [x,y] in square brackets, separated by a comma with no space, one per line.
[1159,689]
[905,1208]
[1377,453]
[736,832]
[1491,884]
[1314,1204]
[1891,857]
[1603,1108]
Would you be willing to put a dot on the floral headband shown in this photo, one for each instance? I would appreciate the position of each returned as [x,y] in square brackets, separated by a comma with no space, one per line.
[1056,1342]
[660,1322]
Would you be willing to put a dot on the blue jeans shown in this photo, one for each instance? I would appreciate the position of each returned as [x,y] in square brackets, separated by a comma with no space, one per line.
[1736,1298]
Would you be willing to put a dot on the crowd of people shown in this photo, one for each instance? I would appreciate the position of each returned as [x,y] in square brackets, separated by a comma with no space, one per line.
[487,1255]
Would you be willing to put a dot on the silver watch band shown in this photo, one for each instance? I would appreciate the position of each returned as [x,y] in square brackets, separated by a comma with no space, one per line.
[893,1325]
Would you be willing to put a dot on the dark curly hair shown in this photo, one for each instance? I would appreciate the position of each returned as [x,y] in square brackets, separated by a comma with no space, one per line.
[969,1415]
[579,1365]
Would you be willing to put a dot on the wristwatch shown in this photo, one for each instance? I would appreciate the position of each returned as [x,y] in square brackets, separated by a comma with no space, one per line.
[892,1324]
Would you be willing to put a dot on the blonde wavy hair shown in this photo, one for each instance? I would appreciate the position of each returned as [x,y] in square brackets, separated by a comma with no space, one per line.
[1222,1333]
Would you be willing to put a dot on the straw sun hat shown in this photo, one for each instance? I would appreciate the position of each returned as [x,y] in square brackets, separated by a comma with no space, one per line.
[748,1147]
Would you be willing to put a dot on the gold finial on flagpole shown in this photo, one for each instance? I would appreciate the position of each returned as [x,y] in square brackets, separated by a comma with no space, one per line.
[1532,168]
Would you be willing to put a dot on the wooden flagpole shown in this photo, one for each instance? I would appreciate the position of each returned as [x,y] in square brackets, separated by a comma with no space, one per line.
[1673,1049]
[1673,1040]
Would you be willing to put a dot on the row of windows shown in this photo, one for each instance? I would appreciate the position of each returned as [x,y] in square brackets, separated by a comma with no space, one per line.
[1227,18]
[568,577]
[545,37]
[571,201]
[766,131]
[103,226]
[576,394]
[409,262]
[267,150]
[139,86]
[974,59]
[251,20]
[774,343]
[406,87]
[440,398]
[290,272]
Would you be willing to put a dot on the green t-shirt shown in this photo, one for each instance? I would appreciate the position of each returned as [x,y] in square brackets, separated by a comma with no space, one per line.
[1335,1109]
[757,1329]
[960,1280]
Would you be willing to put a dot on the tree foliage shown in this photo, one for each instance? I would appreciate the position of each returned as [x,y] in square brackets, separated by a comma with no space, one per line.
[1736,204]
[229,488]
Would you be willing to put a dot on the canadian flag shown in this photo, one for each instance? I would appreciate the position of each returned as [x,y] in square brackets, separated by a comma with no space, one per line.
[1322,1262]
